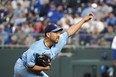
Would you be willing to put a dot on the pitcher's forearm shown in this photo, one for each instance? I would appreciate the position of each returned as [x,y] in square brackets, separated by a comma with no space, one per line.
[39,68]
[74,28]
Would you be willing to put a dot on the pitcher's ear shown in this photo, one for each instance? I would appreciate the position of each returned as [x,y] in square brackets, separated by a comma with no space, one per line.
[48,34]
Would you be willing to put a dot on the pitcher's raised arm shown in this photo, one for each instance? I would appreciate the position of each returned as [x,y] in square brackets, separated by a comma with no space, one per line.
[74,28]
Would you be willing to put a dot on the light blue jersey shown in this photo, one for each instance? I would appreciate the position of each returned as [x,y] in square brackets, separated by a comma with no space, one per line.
[28,57]
[113,46]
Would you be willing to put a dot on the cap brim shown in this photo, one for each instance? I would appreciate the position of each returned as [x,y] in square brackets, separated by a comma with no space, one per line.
[57,30]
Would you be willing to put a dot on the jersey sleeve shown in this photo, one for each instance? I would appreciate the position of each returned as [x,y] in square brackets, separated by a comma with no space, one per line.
[30,59]
[113,46]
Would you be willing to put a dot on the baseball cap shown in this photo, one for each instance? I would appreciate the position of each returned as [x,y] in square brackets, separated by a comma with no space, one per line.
[52,3]
[51,27]
[66,12]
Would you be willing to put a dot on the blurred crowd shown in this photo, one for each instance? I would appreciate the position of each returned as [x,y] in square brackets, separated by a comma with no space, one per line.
[23,21]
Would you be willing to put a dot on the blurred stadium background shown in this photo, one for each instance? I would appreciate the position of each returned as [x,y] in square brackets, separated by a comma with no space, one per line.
[87,53]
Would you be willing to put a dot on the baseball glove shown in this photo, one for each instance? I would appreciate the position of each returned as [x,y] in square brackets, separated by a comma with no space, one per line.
[42,60]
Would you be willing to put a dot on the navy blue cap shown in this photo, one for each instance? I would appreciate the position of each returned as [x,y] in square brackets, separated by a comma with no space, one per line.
[52,3]
[78,12]
[65,12]
[52,28]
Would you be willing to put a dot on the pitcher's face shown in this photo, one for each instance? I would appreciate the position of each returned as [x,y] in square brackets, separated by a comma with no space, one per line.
[54,36]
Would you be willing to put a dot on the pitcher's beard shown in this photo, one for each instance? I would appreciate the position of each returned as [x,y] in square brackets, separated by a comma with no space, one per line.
[55,41]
